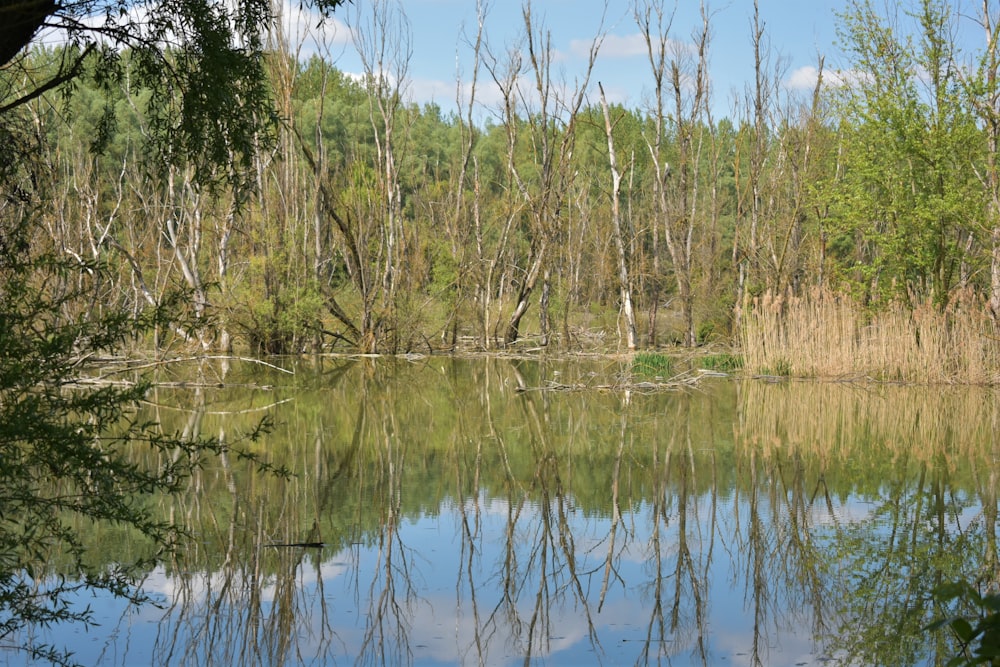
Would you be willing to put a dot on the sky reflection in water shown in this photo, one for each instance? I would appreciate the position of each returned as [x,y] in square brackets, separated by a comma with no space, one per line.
[436,621]
[466,523]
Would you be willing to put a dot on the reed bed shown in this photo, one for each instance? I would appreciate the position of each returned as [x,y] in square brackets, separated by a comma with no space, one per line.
[826,335]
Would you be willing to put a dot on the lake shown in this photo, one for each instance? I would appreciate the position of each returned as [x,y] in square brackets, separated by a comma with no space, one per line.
[507,511]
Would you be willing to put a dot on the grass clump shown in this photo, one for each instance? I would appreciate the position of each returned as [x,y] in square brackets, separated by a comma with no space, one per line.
[724,363]
[652,364]
[781,368]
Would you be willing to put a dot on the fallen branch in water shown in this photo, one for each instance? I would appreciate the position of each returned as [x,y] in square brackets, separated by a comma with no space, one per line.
[208,357]
[262,408]
[106,378]
[688,380]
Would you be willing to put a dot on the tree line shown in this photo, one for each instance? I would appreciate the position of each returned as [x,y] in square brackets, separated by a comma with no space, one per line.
[355,219]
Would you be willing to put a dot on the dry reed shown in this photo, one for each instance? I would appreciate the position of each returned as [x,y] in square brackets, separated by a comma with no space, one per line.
[825,335]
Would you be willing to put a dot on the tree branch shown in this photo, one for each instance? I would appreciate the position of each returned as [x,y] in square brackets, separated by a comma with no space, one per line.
[54,82]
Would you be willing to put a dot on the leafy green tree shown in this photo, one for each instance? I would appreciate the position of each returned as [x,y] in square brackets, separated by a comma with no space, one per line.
[68,452]
[907,184]
[67,448]
[214,61]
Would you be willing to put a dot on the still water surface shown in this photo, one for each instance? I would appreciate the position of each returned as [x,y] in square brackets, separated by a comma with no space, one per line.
[478,512]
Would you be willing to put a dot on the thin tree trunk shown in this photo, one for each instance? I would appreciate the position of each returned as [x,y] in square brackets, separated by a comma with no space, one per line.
[524,294]
[624,281]
[991,116]
[543,308]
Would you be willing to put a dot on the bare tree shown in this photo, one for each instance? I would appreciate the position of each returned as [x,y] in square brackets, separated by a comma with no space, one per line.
[550,120]
[467,178]
[797,150]
[491,263]
[384,43]
[752,198]
[682,71]
[363,211]
[624,279]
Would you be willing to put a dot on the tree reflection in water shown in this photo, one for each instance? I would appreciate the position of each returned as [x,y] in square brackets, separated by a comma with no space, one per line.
[468,518]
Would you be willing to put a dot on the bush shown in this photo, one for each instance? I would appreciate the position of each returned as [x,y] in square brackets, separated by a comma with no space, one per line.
[67,451]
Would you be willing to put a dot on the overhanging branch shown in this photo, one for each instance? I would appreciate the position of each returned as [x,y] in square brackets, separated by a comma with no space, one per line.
[54,82]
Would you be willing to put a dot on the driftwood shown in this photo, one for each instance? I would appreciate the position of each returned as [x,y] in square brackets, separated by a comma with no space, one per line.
[246,411]
[107,378]
[687,380]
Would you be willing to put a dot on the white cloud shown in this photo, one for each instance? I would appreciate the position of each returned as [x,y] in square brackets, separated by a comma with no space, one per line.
[615,46]
[177,588]
[804,78]
[307,32]
[440,92]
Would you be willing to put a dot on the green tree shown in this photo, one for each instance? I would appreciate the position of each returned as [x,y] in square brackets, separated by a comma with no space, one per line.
[67,448]
[909,138]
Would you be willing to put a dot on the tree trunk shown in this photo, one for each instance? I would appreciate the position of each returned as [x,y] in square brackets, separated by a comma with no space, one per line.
[624,281]
[543,309]
[524,294]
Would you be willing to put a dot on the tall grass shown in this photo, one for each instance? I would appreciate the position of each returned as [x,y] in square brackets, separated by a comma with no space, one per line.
[826,335]
[652,364]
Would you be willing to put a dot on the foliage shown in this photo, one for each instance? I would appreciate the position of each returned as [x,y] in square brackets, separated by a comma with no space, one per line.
[907,197]
[978,633]
[873,190]
[874,193]
[68,452]
[216,63]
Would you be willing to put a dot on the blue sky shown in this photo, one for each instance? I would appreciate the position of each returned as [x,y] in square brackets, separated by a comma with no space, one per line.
[797,32]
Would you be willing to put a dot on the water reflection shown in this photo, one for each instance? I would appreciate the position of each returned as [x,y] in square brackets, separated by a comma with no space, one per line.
[466,518]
